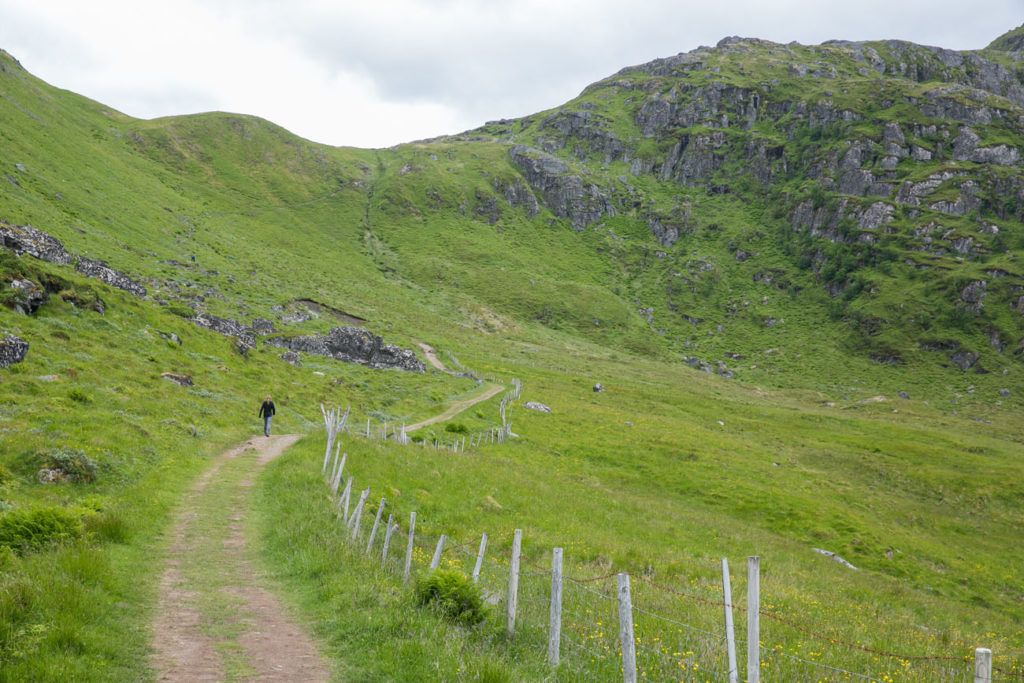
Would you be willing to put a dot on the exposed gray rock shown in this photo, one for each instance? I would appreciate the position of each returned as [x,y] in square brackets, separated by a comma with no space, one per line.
[598,388]
[291,357]
[1005,393]
[262,326]
[539,407]
[244,336]
[964,359]
[29,297]
[179,379]
[24,239]
[518,194]
[835,558]
[101,271]
[353,345]
[973,294]
[694,158]
[565,194]
[904,395]
[920,153]
[171,337]
[12,350]
[965,148]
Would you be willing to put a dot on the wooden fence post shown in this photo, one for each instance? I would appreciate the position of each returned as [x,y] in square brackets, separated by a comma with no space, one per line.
[626,630]
[408,548]
[387,539]
[376,524]
[982,665]
[730,631]
[357,515]
[343,502]
[337,477]
[555,625]
[753,619]
[436,560]
[480,557]
[513,581]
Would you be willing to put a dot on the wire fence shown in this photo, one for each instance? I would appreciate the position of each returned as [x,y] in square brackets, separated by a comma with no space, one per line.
[678,633]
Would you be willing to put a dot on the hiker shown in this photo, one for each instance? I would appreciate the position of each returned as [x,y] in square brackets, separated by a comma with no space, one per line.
[267,411]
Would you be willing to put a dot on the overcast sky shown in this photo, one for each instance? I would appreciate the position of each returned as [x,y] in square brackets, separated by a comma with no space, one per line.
[374,73]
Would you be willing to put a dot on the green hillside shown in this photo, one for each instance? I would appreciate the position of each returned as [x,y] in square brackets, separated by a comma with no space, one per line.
[794,269]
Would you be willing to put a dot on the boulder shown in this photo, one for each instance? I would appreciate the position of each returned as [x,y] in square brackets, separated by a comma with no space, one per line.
[12,350]
[964,359]
[29,297]
[598,388]
[291,357]
[244,337]
[539,407]
[1005,393]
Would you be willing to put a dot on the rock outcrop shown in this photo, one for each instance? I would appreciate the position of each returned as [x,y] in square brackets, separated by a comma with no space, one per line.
[12,350]
[353,345]
[564,193]
[104,273]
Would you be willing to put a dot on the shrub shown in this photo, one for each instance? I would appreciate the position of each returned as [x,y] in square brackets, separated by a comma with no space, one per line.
[79,396]
[456,428]
[453,595]
[72,462]
[26,529]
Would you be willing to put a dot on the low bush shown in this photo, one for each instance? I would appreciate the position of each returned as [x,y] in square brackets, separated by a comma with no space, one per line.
[76,465]
[453,595]
[27,529]
[456,428]
[108,527]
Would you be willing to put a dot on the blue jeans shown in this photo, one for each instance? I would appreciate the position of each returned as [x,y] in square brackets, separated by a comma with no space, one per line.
[266,425]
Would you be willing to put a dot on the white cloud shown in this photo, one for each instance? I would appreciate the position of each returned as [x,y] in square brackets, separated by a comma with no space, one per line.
[379,73]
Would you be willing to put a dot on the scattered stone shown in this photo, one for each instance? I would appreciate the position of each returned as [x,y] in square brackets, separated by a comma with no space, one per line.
[539,407]
[904,395]
[12,350]
[183,380]
[835,558]
[49,378]
[171,337]
[20,168]
[598,388]
[291,357]
[353,345]
[262,326]
[1005,393]
[244,337]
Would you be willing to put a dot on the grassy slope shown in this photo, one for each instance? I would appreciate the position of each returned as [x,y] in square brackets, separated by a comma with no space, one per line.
[278,218]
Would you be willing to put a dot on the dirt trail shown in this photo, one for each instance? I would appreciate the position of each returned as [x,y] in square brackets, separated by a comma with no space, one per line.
[431,355]
[459,406]
[216,620]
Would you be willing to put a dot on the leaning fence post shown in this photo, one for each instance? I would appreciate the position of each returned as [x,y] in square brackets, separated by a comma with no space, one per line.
[387,539]
[337,476]
[982,665]
[376,524]
[555,628]
[730,631]
[357,515]
[626,630]
[480,557]
[513,580]
[346,496]
[408,548]
[436,560]
[753,619]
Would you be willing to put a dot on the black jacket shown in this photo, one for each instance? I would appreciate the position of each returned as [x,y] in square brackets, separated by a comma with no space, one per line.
[267,409]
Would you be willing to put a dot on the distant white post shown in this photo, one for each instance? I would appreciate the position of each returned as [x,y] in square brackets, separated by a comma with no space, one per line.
[337,476]
[376,524]
[626,630]
[436,560]
[346,496]
[513,581]
[982,665]
[408,547]
[753,619]
[730,631]
[480,557]
[555,624]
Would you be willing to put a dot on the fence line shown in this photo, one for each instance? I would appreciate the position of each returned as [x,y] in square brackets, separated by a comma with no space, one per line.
[539,604]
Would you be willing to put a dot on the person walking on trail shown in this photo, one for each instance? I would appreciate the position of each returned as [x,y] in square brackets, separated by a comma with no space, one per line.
[267,411]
